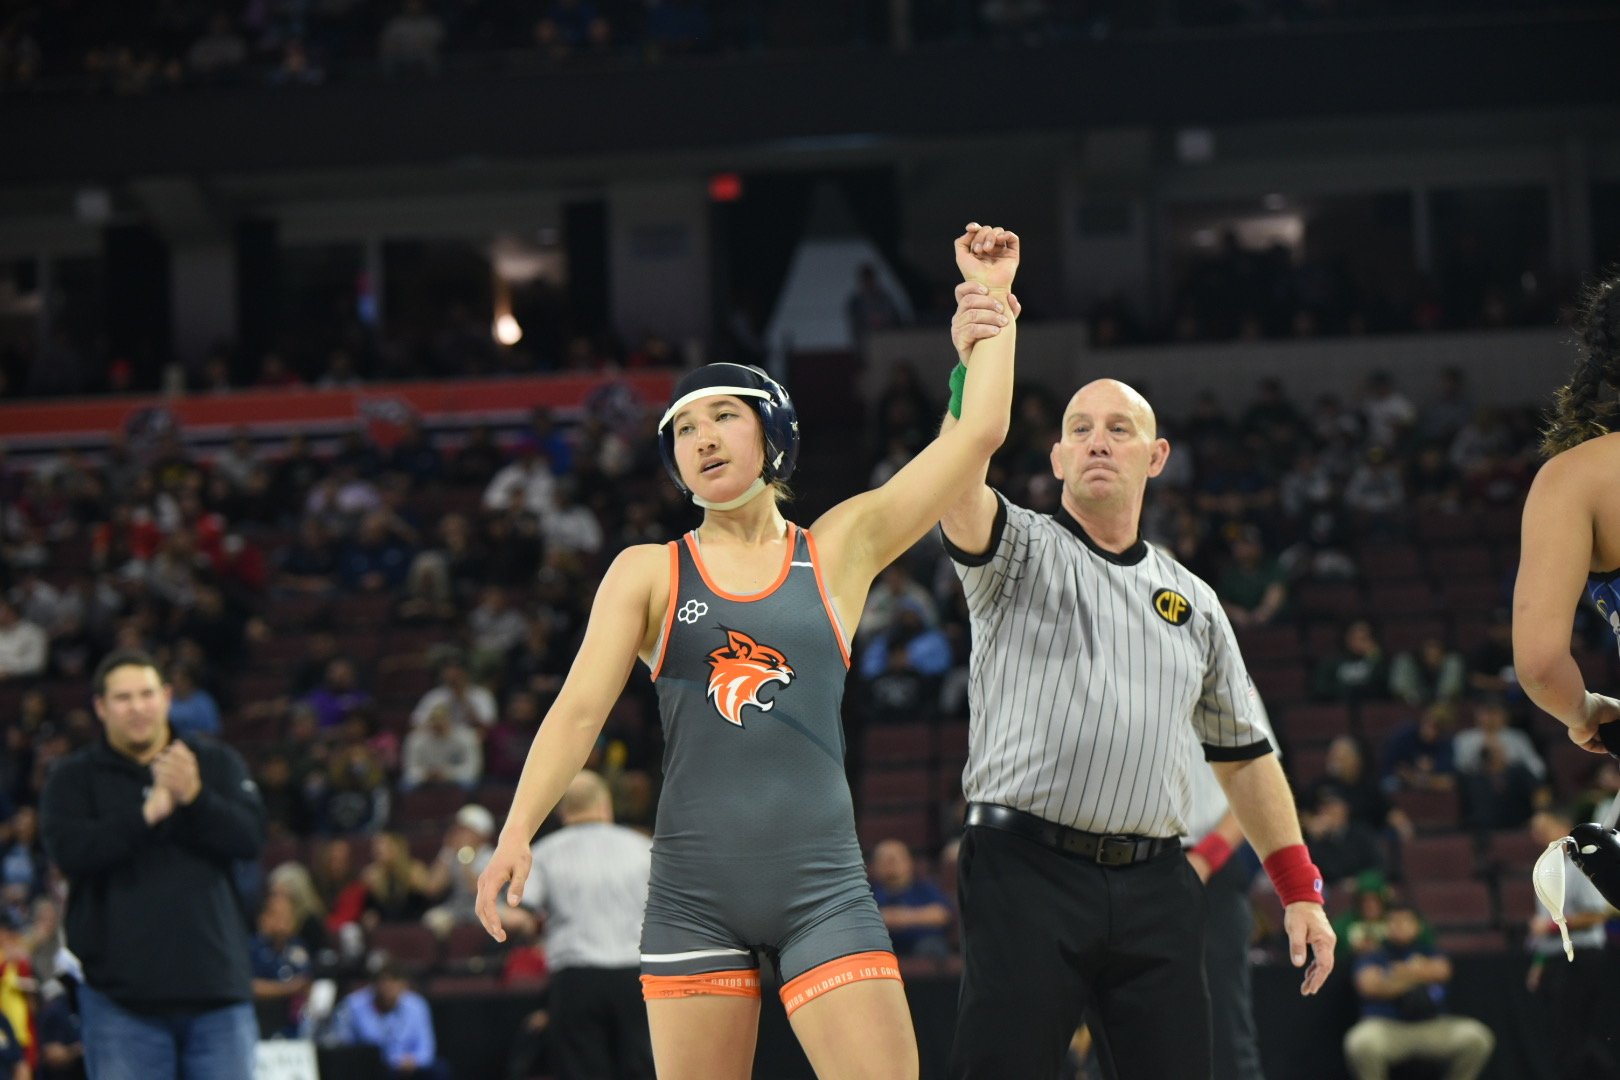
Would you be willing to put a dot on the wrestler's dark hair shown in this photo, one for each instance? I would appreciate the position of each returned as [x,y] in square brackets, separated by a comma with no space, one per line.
[1589,404]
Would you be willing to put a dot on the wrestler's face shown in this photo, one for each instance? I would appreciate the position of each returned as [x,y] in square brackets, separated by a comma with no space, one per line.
[1109,445]
[719,447]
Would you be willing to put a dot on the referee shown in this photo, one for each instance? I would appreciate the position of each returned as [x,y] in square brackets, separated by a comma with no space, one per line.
[1099,665]
[589,878]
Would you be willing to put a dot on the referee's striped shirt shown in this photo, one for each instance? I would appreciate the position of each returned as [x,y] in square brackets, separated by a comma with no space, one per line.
[1093,676]
[590,880]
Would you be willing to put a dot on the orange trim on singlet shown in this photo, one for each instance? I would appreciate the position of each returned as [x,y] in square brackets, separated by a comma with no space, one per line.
[787,564]
[669,613]
[710,984]
[826,600]
[823,978]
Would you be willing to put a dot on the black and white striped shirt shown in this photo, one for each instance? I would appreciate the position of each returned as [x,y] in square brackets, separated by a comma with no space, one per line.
[1093,675]
[590,880]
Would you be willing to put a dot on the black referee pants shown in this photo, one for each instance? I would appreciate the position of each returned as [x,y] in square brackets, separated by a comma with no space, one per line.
[1047,935]
[599,1025]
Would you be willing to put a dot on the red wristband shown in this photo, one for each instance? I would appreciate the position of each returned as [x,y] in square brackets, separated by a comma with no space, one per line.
[1294,876]
[1214,850]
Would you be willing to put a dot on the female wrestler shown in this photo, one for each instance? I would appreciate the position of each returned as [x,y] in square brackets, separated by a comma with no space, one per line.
[745,625]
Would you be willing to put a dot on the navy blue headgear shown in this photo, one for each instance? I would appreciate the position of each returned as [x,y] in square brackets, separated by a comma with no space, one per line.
[768,398]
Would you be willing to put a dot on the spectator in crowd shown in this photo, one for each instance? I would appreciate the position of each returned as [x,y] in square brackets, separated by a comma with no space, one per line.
[1492,732]
[192,710]
[894,589]
[351,795]
[442,577]
[239,461]
[17,984]
[338,696]
[903,666]
[571,26]
[397,885]
[294,882]
[1446,410]
[1361,926]
[1402,987]
[1254,588]
[1342,846]
[61,1036]
[310,564]
[1429,673]
[380,555]
[1376,494]
[13,1052]
[1419,755]
[1388,413]
[1501,776]
[494,629]
[1347,775]
[411,39]
[395,1019]
[917,913]
[1570,990]
[1433,482]
[415,455]
[527,482]
[469,703]
[1490,664]
[568,527]
[453,877]
[281,962]
[1357,671]
[23,646]
[442,751]
[23,863]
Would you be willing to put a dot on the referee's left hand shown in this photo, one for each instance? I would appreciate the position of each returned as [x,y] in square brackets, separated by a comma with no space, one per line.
[1307,925]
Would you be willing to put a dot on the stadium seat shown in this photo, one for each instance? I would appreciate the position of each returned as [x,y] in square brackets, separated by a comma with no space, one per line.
[1378,720]
[1281,685]
[909,825]
[953,739]
[1406,634]
[1440,857]
[1271,644]
[1313,725]
[1449,562]
[1452,904]
[1405,599]
[896,744]
[1511,853]
[410,943]
[1389,562]
[468,942]
[431,802]
[1305,765]
[1431,810]
[884,786]
[1467,942]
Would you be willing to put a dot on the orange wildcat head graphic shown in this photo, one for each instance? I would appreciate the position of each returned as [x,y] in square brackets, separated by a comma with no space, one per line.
[741,668]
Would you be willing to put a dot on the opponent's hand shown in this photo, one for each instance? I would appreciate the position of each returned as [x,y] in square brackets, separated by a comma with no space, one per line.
[978,316]
[1307,925]
[175,768]
[1596,710]
[988,255]
[509,869]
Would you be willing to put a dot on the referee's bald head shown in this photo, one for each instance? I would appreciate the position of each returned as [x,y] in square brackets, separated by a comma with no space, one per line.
[1103,395]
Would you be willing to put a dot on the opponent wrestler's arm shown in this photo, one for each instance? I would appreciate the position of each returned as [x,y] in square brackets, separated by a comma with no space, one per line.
[616,632]
[869,531]
[1555,555]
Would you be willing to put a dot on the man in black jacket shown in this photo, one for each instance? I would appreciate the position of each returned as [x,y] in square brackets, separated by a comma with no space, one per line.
[146,829]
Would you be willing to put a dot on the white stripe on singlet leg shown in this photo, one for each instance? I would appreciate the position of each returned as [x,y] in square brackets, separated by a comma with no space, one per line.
[699,954]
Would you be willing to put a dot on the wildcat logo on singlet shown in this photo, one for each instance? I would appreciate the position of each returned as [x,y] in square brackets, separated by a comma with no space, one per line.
[741,668]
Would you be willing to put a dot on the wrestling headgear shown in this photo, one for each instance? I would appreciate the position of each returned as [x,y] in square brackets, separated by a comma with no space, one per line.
[769,400]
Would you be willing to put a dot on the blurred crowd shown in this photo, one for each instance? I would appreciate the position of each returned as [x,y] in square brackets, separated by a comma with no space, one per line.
[104,47]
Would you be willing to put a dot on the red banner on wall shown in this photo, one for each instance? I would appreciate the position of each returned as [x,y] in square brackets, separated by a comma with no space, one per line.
[493,400]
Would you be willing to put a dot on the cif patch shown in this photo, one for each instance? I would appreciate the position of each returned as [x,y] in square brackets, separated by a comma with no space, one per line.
[739,670]
[1172,607]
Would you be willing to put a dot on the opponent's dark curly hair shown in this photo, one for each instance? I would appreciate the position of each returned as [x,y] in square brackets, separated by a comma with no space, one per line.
[1589,404]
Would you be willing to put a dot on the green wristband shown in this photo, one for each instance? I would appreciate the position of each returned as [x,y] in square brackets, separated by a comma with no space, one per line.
[958,379]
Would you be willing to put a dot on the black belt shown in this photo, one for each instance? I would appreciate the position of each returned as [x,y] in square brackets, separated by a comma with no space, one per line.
[1103,850]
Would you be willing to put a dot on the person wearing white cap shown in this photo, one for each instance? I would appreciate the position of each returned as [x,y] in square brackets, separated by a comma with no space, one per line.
[454,874]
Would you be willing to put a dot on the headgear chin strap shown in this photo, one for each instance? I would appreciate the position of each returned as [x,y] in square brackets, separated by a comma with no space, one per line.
[768,398]
[731,504]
